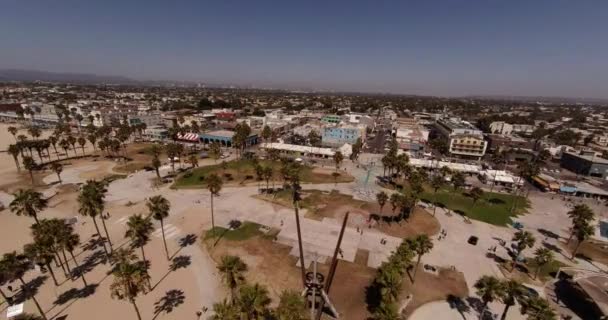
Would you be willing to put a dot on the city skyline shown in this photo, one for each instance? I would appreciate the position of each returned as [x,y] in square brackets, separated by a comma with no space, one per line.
[546,48]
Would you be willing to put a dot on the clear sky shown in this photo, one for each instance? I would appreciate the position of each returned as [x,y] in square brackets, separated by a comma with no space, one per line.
[450,47]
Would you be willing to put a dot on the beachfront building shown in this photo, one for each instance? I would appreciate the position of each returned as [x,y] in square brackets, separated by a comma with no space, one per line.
[225,138]
[410,135]
[586,165]
[337,136]
[464,140]
[296,151]
[156,133]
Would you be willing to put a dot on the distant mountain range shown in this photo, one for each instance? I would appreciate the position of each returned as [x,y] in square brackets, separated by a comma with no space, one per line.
[7,75]
[80,78]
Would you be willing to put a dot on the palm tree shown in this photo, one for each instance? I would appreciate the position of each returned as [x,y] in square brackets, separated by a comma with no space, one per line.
[139,229]
[65,145]
[421,245]
[225,310]
[93,140]
[291,306]
[45,233]
[214,185]
[389,279]
[13,131]
[14,150]
[523,239]
[511,292]
[72,141]
[172,153]
[28,203]
[16,265]
[90,202]
[130,280]
[386,311]
[58,168]
[82,142]
[458,180]
[69,241]
[580,215]
[583,233]
[193,160]
[232,269]
[254,301]
[159,207]
[42,255]
[267,173]
[542,257]
[338,158]
[381,197]
[488,289]
[53,140]
[437,182]
[537,308]
[30,165]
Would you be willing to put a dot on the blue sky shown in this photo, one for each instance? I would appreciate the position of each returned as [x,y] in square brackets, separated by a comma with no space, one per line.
[450,47]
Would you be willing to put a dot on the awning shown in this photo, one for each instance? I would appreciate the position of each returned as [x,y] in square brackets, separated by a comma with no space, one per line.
[541,182]
[188,137]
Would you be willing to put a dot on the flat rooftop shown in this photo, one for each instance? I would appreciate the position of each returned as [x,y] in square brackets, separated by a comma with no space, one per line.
[220,133]
[589,158]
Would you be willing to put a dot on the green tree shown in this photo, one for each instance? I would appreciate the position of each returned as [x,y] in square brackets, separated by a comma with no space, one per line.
[14,151]
[338,158]
[489,289]
[193,160]
[523,240]
[159,207]
[381,197]
[57,168]
[30,165]
[580,215]
[422,245]
[386,311]
[537,308]
[542,257]
[225,310]
[28,203]
[41,255]
[254,301]
[511,292]
[139,230]
[15,266]
[458,180]
[291,306]
[214,185]
[130,280]
[215,151]
[91,203]
[232,269]
[583,232]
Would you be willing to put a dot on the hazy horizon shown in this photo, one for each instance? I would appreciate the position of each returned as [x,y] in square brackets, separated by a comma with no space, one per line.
[442,48]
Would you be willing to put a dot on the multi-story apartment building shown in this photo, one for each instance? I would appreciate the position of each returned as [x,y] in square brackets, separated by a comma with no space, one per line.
[339,135]
[410,135]
[464,140]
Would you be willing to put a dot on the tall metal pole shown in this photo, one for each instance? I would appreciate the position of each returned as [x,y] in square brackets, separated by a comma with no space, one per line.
[334,264]
[296,197]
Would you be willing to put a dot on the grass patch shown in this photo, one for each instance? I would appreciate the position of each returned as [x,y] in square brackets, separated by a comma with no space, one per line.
[243,171]
[247,230]
[547,272]
[493,208]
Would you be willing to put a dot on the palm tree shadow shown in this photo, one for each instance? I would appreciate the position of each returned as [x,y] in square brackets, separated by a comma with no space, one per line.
[171,300]
[185,241]
[30,289]
[179,262]
[75,293]
[460,305]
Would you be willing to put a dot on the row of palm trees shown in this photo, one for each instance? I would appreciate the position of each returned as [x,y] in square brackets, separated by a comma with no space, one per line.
[391,275]
[252,301]
[491,289]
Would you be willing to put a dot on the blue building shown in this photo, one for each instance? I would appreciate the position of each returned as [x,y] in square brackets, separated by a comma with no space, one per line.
[338,136]
[224,137]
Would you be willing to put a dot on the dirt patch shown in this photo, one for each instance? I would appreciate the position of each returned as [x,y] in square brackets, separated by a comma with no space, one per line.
[419,222]
[434,287]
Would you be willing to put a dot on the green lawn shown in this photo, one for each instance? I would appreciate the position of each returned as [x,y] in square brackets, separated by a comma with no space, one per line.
[246,231]
[546,272]
[493,208]
[243,171]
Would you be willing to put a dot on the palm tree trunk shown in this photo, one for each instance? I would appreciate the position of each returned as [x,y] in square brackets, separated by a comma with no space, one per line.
[32,176]
[24,287]
[212,220]
[143,256]
[162,228]
[136,309]
[4,296]
[36,219]
[60,263]
[416,269]
[67,265]
[103,222]
[575,250]
[504,312]
[99,235]
[48,266]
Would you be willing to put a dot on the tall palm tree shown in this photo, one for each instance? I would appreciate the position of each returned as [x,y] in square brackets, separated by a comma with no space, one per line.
[14,151]
[389,279]
[30,165]
[41,255]
[58,168]
[159,207]
[542,257]
[338,158]
[523,240]
[13,131]
[214,185]
[53,140]
[381,197]
[45,233]
[82,142]
[139,229]
[193,160]
[583,233]
[386,311]
[489,288]
[291,306]
[130,280]
[232,269]
[510,293]
[16,265]
[421,245]
[437,182]
[225,310]
[156,165]
[90,201]
[69,241]
[580,215]
[254,301]
[28,203]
